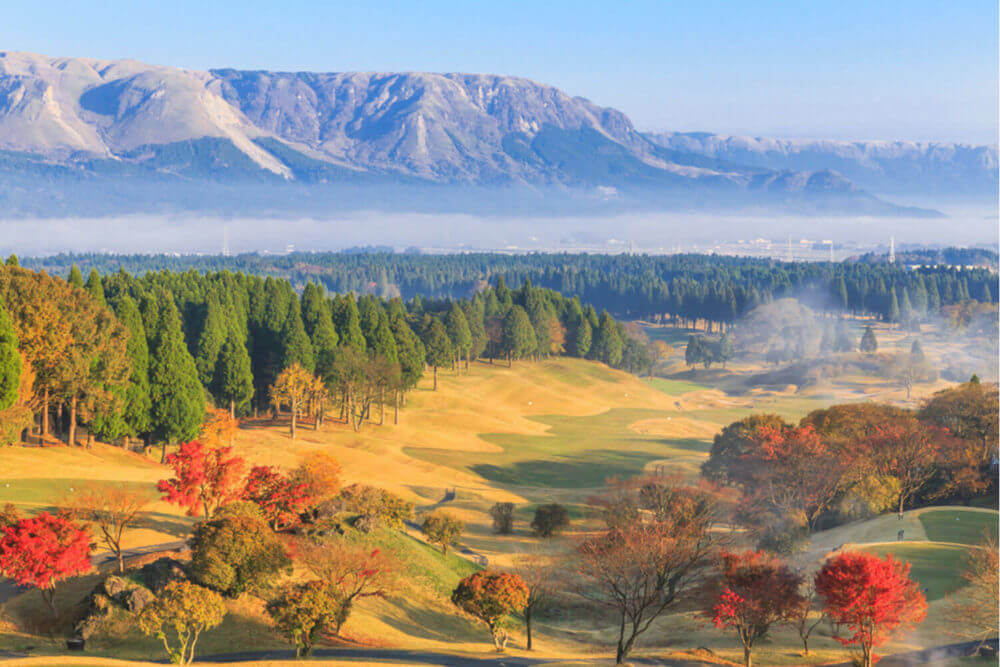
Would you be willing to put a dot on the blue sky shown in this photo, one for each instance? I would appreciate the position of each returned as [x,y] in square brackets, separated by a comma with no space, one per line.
[868,70]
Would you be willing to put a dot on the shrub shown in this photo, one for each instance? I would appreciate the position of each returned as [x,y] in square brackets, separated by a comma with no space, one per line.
[303,612]
[442,529]
[550,520]
[503,518]
[234,555]
[178,615]
[378,505]
[492,597]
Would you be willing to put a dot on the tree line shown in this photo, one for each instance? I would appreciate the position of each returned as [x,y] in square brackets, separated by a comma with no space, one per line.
[140,357]
[689,288]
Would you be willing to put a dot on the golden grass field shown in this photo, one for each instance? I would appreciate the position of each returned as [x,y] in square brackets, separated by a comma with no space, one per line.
[538,432]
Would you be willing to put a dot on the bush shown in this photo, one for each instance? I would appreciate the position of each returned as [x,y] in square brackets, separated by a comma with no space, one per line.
[550,520]
[178,615]
[785,535]
[503,518]
[442,529]
[234,555]
[303,612]
[378,505]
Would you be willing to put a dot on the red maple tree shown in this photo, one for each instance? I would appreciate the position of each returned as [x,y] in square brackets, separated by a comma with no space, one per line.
[42,551]
[206,478]
[907,451]
[871,596]
[279,498]
[757,591]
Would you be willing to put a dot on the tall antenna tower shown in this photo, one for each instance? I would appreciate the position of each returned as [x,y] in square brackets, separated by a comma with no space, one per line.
[788,254]
[892,249]
[225,241]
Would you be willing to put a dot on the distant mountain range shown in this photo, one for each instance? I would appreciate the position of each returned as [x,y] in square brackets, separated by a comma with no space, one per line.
[90,137]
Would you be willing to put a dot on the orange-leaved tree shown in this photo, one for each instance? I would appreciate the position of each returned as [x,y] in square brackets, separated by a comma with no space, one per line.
[871,597]
[492,597]
[205,478]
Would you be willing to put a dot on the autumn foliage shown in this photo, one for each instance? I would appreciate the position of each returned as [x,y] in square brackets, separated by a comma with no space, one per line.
[279,498]
[42,551]
[871,597]
[757,591]
[205,478]
[491,597]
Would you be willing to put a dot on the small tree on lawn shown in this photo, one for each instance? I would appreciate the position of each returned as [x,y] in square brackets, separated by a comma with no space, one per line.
[303,612]
[293,386]
[356,571]
[442,529]
[869,344]
[550,520]
[204,479]
[872,597]
[491,597]
[112,510]
[974,610]
[280,499]
[756,591]
[178,616]
[807,619]
[319,473]
[537,573]
[42,551]
[236,554]
[503,518]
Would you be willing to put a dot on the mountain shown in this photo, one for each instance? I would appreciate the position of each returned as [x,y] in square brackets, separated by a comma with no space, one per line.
[889,167]
[93,137]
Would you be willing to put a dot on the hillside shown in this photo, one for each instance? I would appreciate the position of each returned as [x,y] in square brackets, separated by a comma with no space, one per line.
[184,139]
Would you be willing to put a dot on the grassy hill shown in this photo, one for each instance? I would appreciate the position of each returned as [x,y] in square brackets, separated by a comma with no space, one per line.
[538,432]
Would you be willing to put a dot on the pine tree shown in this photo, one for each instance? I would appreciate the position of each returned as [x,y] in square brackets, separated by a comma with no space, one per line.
[905,309]
[459,333]
[892,314]
[608,345]
[383,342]
[213,335]
[410,351]
[13,260]
[917,352]
[868,345]
[137,410]
[726,351]
[439,349]
[295,344]
[75,278]
[348,322]
[841,293]
[475,317]
[518,337]
[10,361]
[694,351]
[178,399]
[233,382]
[95,287]
[580,336]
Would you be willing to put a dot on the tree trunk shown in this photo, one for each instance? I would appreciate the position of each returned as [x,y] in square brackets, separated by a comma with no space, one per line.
[232,409]
[295,409]
[435,378]
[527,626]
[747,659]
[121,560]
[381,407]
[72,421]
[45,414]
[49,595]
[395,408]
[509,355]
[468,361]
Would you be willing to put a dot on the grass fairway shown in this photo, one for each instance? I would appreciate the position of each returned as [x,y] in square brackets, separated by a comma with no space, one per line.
[674,387]
[937,567]
[576,452]
[961,526]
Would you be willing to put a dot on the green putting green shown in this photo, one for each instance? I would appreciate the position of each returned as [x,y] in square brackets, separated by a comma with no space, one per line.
[957,525]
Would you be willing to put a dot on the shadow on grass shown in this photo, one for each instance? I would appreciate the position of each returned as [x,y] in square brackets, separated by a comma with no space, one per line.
[417,620]
[585,469]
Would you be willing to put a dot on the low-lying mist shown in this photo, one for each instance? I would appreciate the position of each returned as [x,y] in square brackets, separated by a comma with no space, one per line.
[653,232]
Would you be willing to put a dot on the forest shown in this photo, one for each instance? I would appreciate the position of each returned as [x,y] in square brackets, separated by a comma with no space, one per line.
[692,289]
[138,357]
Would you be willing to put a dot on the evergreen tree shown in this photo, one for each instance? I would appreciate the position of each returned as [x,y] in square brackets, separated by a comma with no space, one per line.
[313,301]
[213,335]
[438,347]
[580,336]
[518,337]
[987,295]
[10,361]
[905,309]
[295,343]
[459,333]
[348,322]
[608,345]
[694,351]
[892,314]
[917,352]
[541,321]
[383,342]
[75,278]
[95,287]
[13,261]
[725,351]
[137,410]
[868,345]
[841,293]
[233,382]
[178,399]
[410,351]
[475,317]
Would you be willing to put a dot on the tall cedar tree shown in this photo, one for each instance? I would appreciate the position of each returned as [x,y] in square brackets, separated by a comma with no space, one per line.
[10,361]
[410,351]
[96,288]
[459,333]
[137,411]
[75,278]
[178,398]
[475,317]
[873,598]
[518,337]
[318,322]
[294,341]
[608,345]
[438,346]
[348,322]
[211,340]
[869,344]
[233,382]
